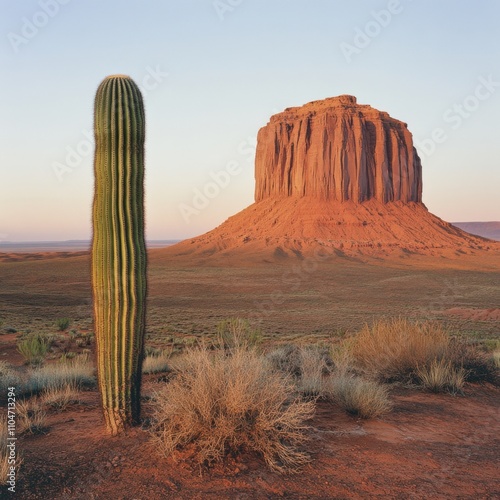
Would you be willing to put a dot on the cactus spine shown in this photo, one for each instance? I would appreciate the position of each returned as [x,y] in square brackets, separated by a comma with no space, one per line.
[118,248]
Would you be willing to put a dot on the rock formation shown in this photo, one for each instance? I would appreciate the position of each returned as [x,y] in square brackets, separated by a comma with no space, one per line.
[337,177]
[336,149]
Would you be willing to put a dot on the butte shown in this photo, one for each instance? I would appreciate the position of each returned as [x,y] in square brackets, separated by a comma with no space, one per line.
[338,178]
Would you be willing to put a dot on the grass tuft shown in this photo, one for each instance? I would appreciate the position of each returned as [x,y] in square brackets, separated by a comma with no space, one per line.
[157,362]
[442,376]
[357,396]
[60,398]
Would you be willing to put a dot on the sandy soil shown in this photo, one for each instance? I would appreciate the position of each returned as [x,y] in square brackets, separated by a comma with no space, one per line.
[430,446]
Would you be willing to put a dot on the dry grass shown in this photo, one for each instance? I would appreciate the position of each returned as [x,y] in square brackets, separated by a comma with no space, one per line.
[4,452]
[236,332]
[391,350]
[8,377]
[30,417]
[60,398]
[364,398]
[158,362]
[77,372]
[441,375]
[235,401]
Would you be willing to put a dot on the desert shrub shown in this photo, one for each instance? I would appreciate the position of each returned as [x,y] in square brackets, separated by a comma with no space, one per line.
[314,368]
[391,350]
[227,402]
[286,358]
[78,372]
[358,396]
[60,397]
[30,417]
[307,364]
[237,332]
[157,362]
[34,348]
[478,365]
[62,323]
[442,375]
[8,377]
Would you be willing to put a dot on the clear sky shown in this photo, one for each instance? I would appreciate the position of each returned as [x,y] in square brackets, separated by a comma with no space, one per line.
[213,72]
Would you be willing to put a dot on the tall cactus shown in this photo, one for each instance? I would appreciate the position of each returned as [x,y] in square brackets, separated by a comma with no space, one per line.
[118,248]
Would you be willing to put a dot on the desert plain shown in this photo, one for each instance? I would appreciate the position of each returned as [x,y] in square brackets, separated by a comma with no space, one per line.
[429,446]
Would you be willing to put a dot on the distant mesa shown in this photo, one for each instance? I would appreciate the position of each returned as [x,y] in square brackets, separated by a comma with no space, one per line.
[338,176]
[337,150]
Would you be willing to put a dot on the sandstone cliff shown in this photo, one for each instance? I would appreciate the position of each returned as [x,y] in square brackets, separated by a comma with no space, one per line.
[339,150]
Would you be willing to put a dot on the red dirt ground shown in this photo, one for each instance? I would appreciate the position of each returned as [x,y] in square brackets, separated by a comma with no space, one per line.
[430,446]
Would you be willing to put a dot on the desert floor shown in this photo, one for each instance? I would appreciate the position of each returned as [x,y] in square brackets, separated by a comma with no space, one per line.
[430,446]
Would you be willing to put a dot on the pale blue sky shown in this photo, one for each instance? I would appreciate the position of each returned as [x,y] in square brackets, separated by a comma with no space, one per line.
[215,71]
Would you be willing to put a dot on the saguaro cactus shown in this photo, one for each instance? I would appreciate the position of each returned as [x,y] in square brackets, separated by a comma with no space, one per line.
[118,248]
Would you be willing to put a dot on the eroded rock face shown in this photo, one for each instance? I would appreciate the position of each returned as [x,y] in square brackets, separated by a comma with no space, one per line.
[337,149]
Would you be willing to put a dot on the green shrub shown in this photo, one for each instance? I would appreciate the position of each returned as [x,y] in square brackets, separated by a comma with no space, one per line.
[62,323]
[34,348]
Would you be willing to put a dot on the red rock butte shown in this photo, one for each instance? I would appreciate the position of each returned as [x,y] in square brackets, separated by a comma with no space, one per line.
[336,176]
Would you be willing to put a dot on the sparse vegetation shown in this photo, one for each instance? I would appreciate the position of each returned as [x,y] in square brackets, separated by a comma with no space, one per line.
[30,417]
[157,362]
[78,372]
[34,348]
[392,350]
[441,375]
[8,377]
[63,323]
[237,332]
[364,398]
[60,397]
[4,451]
[229,401]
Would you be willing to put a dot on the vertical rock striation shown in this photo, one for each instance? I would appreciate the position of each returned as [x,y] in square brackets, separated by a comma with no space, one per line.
[336,149]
